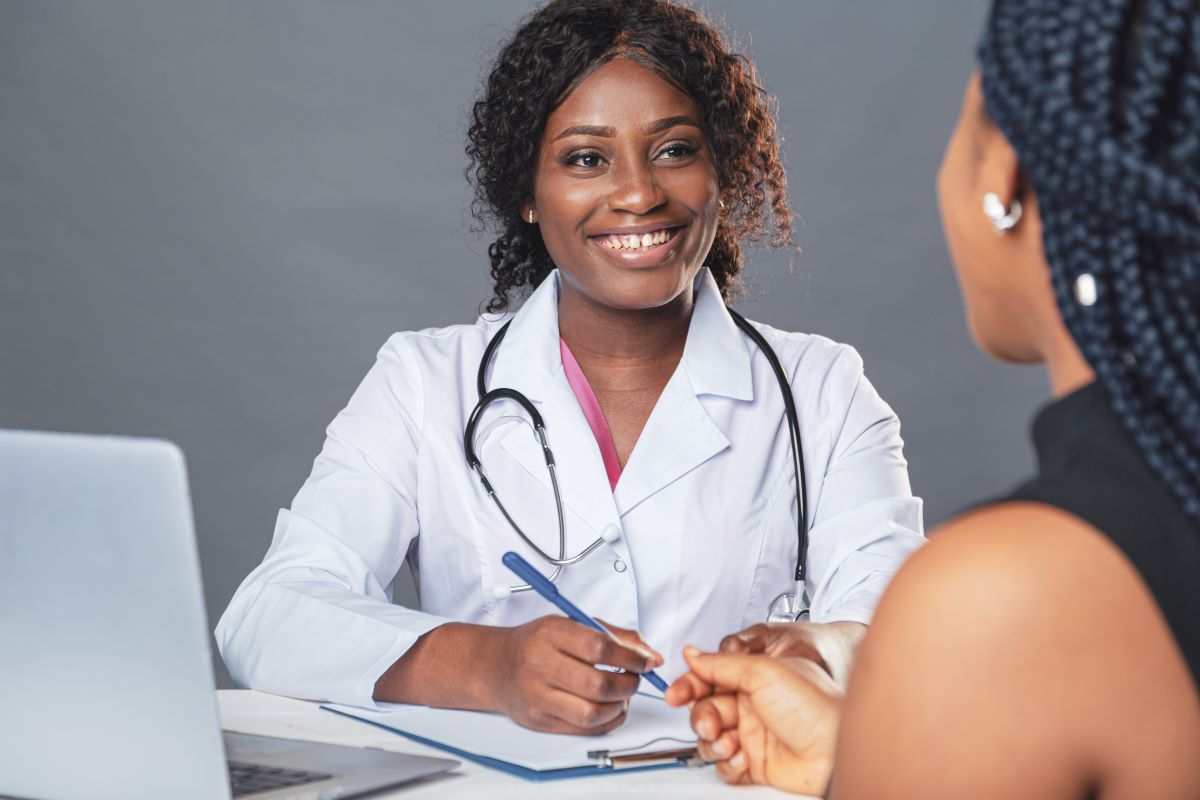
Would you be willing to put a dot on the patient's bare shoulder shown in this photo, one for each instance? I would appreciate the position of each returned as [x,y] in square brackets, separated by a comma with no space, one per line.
[1019,654]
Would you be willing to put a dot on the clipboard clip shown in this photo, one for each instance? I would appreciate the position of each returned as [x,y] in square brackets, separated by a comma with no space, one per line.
[624,759]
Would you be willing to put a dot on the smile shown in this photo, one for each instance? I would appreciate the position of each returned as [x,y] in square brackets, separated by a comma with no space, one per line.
[637,242]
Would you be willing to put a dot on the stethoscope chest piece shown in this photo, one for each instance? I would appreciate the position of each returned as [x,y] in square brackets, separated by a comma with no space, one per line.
[788,608]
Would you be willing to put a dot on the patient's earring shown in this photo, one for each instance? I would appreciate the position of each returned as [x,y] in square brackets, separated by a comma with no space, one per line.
[531,218]
[1003,219]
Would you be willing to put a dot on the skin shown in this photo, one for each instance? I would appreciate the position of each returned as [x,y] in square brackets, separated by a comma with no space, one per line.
[1052,674]
[605,163]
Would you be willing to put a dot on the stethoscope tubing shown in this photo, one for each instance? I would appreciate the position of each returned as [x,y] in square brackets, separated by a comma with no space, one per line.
[789,409]
[487,397]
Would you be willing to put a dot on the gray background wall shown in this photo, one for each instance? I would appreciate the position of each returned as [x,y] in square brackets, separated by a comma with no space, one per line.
[211,216]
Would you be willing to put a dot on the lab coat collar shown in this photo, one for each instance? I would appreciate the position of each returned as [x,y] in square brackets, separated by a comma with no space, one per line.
[679,436]
[716,357]
[529,359]
[717,354]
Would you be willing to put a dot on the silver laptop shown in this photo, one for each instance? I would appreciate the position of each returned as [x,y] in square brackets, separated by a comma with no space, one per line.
[106,687]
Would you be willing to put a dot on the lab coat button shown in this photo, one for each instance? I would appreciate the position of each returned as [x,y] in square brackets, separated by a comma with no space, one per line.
[619,565]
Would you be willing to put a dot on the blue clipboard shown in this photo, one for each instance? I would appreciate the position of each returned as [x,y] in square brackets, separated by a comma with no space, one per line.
[673,758]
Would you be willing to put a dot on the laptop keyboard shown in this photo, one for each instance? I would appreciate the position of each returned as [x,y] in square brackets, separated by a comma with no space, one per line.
[246,779]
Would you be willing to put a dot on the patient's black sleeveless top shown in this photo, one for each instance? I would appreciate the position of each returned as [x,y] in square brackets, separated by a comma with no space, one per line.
[1089,465]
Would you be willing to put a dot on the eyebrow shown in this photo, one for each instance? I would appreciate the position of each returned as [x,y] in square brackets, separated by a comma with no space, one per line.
[607,132]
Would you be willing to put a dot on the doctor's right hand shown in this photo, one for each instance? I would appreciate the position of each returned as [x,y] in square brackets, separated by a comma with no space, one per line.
[544,675]
[541,674]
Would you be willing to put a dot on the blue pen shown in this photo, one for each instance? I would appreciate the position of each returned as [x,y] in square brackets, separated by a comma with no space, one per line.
[548,590]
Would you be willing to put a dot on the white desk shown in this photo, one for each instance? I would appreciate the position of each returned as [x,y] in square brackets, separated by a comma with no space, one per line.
[268,715]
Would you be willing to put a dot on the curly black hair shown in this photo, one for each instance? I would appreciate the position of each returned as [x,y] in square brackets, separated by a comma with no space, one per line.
[550,53]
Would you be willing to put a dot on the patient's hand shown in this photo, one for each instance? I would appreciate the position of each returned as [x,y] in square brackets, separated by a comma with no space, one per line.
[830,645]
[763,720]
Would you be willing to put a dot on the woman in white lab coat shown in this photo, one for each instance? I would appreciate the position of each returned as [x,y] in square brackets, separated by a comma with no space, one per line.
[625,155]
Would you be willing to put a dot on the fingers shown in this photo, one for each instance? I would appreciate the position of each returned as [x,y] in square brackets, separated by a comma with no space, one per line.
[713,716]
[563,712]
[752,640]
[688,688]
[734,770]
[597,685]
[744,673]
[592,647]
[634,641]
[715,720]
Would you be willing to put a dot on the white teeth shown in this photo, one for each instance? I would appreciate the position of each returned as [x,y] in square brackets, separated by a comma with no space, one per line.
[635,242]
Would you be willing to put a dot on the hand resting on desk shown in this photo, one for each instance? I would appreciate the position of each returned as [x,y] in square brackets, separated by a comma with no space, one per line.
[541,674]
[763,720]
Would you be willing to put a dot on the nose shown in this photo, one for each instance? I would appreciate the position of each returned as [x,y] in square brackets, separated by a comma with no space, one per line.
[636,189]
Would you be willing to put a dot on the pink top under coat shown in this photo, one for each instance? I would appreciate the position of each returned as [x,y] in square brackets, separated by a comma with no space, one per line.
[592,413]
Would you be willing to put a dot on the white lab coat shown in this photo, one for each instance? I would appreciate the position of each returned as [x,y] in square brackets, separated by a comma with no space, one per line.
[705,505]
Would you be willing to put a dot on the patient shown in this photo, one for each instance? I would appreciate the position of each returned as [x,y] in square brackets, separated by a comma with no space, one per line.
[1046,644]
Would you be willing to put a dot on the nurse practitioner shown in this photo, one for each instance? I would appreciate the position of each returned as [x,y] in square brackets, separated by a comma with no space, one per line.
[625,155]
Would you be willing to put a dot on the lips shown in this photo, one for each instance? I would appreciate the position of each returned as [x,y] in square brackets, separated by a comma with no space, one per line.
[639,247]
[637,241]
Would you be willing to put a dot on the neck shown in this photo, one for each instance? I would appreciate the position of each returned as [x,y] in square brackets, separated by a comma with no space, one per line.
[1067,368]
[608,337]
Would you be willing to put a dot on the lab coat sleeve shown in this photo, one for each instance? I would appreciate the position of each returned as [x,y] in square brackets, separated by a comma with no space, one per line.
[866,521]
[315,619]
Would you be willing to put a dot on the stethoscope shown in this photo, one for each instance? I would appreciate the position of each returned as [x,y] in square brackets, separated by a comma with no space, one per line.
[787,607]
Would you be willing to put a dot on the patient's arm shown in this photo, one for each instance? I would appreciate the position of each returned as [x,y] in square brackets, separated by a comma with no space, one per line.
[1018,655]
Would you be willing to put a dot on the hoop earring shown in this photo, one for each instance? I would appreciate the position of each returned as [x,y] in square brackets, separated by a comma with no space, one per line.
[1003,219]
[531,216]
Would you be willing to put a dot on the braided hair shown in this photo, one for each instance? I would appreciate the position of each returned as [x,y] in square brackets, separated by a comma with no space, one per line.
[1100,99]
[556,48]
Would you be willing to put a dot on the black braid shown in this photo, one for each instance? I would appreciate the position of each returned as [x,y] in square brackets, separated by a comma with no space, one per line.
[1101,101]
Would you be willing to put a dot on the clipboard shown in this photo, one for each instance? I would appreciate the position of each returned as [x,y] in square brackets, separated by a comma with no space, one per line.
[654,738]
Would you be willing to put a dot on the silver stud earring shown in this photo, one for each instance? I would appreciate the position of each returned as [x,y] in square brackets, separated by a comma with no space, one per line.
[531,216]
[1085,289]
[1003,219]
[721,204]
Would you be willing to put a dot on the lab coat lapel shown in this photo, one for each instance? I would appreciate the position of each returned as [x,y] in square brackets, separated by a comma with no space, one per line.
[529,360]
[681,434]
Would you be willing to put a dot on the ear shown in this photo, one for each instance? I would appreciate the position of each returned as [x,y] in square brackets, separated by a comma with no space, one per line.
[999,168]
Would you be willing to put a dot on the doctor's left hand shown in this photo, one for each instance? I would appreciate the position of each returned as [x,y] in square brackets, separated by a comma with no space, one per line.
[831,645]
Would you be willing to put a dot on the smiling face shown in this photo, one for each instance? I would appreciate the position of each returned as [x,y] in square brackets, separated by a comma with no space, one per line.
[625,189]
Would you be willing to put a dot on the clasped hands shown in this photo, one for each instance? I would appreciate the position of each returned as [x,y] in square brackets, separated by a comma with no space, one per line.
[766,706]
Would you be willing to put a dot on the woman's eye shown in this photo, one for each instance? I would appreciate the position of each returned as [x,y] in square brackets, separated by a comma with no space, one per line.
[678,150]
[586,159]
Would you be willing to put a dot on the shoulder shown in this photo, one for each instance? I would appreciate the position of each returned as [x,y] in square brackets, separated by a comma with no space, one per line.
[443,341]
[415,368]
[824,371]
[996,639]
[811,350]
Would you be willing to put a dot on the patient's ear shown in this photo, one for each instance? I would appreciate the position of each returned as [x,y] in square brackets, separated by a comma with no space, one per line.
[1000,169]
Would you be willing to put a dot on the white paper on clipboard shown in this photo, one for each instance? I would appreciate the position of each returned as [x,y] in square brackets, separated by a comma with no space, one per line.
[651,725]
